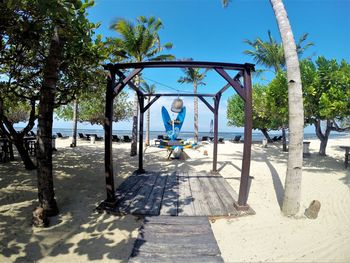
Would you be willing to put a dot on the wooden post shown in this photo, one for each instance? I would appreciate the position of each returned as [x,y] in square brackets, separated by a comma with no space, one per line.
[216,129]
[108,139]
[244,184]
[142,111]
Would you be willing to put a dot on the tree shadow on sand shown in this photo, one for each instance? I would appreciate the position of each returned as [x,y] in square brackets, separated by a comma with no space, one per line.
[79,184]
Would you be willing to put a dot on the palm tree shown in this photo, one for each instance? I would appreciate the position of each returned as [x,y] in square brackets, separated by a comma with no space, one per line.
[193,75]
[270,54]
[291,201]
[138,43]
[149,89]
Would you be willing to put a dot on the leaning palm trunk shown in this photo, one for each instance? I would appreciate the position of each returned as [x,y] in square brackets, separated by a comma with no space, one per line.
[291,201]
[148,122]
[75,124]
[135,118]
[195,102]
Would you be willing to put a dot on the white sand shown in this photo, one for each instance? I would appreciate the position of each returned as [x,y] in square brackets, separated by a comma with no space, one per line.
[78,234]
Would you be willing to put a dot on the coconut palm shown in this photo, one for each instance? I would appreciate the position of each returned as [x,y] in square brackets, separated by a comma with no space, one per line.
[138,43]
[291,201]
[194,76]
[270,54]
[148,89]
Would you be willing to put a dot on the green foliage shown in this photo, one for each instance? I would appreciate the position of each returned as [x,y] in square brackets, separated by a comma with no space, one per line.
[326,87]
[25,37]
[138,42]
[193,75]
[277,101]
[270,53]
[262,113]
[92,102]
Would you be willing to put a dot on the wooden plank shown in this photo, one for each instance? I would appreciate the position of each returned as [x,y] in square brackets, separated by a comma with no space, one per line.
[185,205]
[169,203]
[227,186]
[150,258]
[223,194]
[185,248]
[215,204]
[152,206]
[175,220]
[164,239]
[137,203]
[200,202]
[123,205]
[127,184]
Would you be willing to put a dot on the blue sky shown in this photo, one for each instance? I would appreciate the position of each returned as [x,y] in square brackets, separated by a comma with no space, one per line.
[204,30]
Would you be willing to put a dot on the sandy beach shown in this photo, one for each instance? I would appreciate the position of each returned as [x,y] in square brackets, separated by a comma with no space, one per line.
[79,234]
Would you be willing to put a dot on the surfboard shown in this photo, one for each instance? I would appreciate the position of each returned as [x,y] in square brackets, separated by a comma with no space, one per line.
[166,120]
[168,123]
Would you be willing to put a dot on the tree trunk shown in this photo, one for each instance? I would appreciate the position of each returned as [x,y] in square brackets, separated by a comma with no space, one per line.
[148,122]
[135,117]
[284,139]
[17,138]
[75,124]
[195,108]
[323,137]
[291,200]
[23,152]
[46,192]
[266,134]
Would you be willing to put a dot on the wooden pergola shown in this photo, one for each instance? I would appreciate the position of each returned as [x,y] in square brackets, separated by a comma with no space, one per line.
[244,90]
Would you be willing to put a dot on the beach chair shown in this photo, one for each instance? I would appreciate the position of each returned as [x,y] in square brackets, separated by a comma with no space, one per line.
[126,138]
[115,138]
[82,136]
[59,135]
[236,139]
[97,138]
[159,139]
[205,139]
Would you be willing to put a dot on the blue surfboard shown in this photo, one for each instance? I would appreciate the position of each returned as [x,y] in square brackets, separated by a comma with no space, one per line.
[168,123]
[166,120]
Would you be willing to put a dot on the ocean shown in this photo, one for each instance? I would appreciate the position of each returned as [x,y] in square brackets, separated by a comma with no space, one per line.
[257,136]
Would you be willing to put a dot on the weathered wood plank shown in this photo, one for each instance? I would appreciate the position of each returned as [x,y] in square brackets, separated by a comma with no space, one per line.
[150,258]
[213,200]
[152,206]
[228,187]
[175,220]
[185,204]
[169,241]
[127,184]
[200,202]
[224,194]
[140,199]
[169,202]
[184,248]
[123,205]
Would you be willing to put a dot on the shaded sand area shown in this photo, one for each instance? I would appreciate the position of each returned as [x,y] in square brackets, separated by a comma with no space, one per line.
[79,234]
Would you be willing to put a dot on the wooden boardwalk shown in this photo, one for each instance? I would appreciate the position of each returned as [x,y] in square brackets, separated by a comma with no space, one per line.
[176,239]
[176,194]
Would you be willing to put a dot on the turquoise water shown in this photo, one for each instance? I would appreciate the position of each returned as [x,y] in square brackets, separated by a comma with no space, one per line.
[187,135]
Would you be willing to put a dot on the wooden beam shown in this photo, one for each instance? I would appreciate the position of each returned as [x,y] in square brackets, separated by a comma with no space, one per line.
[150,103]
[126,80]
[234,83]
[207,103]
[180,64]
[248,126]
